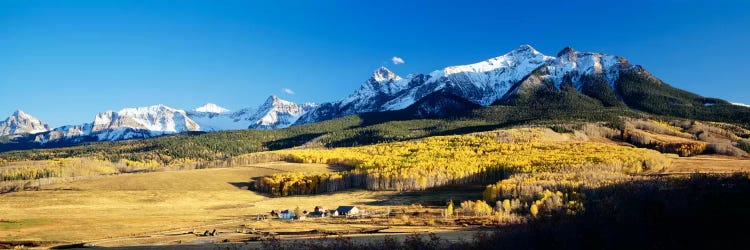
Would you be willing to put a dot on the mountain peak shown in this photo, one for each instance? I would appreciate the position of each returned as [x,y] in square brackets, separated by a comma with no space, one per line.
[278,113]
[273,102]
[525,49]
[18,113]
[20,122]
[567,50]
[568,54]
[211,108]
[273,99]
[384,74]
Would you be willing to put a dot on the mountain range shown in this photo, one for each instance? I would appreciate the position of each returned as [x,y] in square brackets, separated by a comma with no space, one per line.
[525,76]
[519,77]
[156,120]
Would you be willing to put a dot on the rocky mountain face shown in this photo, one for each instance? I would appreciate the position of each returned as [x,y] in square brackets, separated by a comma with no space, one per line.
[71,133]
[22,123]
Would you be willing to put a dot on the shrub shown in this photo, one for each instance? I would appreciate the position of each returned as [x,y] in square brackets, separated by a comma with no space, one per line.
[744,145]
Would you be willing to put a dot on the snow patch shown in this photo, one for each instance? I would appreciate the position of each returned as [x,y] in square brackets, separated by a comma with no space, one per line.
[211,108]
[273,113]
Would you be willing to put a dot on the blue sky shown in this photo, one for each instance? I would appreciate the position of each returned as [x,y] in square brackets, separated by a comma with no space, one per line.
[64,61]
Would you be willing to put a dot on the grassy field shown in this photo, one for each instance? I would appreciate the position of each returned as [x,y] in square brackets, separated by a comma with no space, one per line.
[708,164]
[133,204]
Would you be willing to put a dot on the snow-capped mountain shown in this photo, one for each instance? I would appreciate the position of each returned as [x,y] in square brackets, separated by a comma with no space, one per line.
[211,117]
[211,108]
[576,69]
[273,113]
[382,84]
[576,64]
[128,123]
[22,123]
[277,113]
[481,83]
[380,88]
[142,122]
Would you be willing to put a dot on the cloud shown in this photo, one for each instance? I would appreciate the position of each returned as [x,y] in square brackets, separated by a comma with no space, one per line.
[288,91]
[397,60]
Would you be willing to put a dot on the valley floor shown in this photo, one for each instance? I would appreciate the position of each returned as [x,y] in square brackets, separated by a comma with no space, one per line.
[160,207]
[174,208]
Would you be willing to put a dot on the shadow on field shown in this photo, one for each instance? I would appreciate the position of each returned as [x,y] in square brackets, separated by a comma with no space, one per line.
[241,185]
[483,128]
[291,141]
[431,197]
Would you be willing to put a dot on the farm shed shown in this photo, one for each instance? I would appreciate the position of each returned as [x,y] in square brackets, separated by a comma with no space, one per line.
[347,210]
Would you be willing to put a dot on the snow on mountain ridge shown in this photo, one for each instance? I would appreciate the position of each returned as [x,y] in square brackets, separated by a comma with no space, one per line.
[508,60]
[576,64]
[211,108]
[384,74]
[482,83]
[141,122]
[278,113]
[159,118]
[382,83]
[274,112]
[70,132]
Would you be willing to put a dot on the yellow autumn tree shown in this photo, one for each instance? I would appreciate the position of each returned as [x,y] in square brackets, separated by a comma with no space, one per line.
[506,206]
[481,208]
[449,209]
